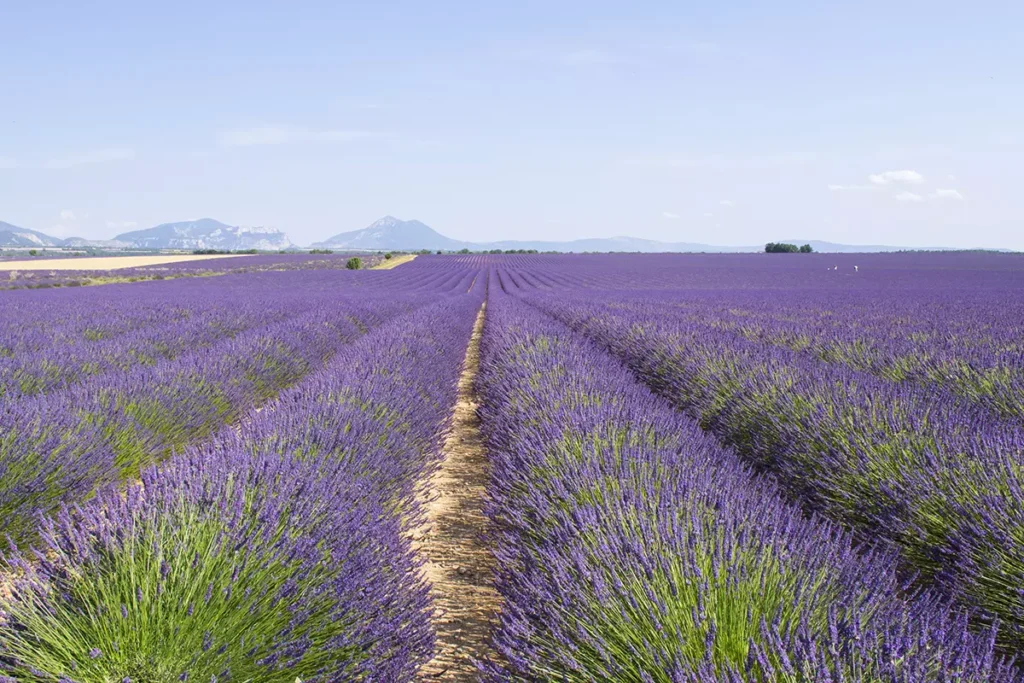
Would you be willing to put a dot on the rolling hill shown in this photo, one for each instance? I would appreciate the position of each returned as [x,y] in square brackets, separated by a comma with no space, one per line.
[206,233]
[386,234]
[13,236]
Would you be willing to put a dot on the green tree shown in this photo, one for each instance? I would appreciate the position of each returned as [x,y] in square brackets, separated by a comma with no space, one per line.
[780,248]
[354,263]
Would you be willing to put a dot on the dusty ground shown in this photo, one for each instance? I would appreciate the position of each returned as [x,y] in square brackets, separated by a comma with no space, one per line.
[394,262]
[106,262]
[459,565]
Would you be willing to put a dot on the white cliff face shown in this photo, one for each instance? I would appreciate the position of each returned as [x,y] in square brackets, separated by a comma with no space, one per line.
[13,236]
[207,233]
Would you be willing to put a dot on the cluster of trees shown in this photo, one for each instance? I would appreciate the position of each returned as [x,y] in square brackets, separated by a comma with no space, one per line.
[216,252]
[783,248]
[321,251]
[506,251]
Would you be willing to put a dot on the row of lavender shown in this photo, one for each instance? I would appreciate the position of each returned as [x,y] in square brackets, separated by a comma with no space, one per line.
[977,354]
[37,320]
[274,552]
[633,548]
[99,351]
[56,339]
[62,446]
[938,477]
[45,279]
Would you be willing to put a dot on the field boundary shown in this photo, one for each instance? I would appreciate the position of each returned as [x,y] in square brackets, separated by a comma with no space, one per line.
[394,262]
[108,262]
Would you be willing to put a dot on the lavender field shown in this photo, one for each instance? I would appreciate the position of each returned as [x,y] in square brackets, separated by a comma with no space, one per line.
[638,468]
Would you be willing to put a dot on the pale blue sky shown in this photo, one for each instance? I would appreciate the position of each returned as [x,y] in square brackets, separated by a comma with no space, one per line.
[896,122]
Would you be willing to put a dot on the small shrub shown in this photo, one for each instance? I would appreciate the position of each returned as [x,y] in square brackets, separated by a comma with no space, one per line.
[354,263]
[387,256]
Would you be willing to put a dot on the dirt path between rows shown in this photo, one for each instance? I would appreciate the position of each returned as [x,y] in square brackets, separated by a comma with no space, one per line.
[458,564]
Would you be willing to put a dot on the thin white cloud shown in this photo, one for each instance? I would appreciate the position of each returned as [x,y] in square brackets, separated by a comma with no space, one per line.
[60,230]
[728,162]
[593,57]
[946,194]
[951,176]
[843,188]
[691,48]
[575,58]
[886,177]
[726,202]
[97,156]
[68,215]
[708,215]
[670,215]
[121,225]
[283,135]
[909,197]
[8,162]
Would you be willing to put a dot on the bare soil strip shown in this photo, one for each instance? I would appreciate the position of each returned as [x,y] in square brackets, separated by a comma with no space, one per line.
[458,564]
[394,262]
[107,262]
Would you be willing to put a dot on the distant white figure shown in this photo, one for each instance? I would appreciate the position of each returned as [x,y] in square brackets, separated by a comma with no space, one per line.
[856,268]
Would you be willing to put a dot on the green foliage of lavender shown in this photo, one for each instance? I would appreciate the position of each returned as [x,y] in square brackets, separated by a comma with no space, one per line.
[633,548]
[62,445]
[276,552]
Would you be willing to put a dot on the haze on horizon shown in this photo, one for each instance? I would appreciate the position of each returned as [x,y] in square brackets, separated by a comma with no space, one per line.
[722,123]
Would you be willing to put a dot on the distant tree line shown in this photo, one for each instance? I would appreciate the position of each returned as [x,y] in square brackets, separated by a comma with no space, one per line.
[783,248]
[218,252]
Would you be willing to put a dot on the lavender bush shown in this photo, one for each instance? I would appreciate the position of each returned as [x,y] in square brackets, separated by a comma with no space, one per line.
[633,548]
[276,552]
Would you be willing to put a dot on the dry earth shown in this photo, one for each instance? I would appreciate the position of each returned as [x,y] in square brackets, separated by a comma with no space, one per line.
[458,564]
[394,262]
[107,262]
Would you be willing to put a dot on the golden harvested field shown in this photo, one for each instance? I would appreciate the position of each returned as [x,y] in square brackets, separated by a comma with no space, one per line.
[394,262]
[106,262]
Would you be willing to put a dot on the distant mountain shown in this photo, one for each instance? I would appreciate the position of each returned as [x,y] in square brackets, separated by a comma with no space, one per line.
[391,233]
[606,244]
[388,233]
[13,236]
[834,248]
[80,242]
[206,233]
